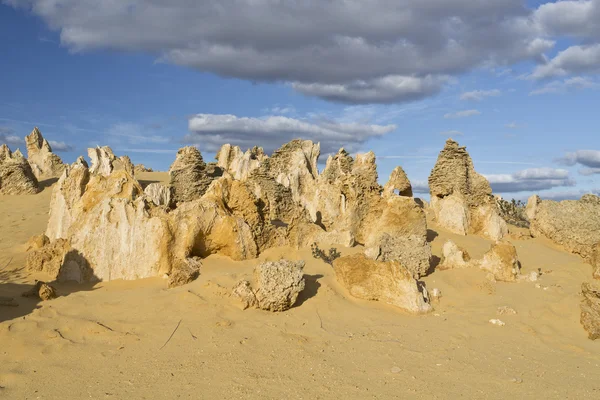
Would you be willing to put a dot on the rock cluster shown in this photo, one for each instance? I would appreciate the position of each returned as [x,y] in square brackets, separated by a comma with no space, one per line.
[501,260]
[277,286]
[16,175]
[103,226]
[388,282]
[141,168]
[44,163]
[573,224]
[461,198]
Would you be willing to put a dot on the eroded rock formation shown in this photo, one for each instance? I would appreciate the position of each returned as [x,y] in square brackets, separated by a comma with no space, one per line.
[104,162]
[44,163]
[122,232]
[277,285]
[16,176]
[388,282]
[590,309]
[502,261]
[573,224]
[461,198]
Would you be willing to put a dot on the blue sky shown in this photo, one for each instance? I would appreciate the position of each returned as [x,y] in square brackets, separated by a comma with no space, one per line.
[515,82]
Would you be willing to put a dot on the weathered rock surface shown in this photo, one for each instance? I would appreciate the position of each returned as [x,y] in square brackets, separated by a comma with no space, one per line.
[190,175]
[49,258]
[37,242]
[502,261]
[454,257]
[590,309]
[461,198]
[44,163]
[398,182]
[16,176]
[400,234]
[184,272]
[277,286]
[141,168]
[104,162]
[41,290]
[388,282]
[573,224]
[237,163]
[160,195]
[595,261]
[65,198]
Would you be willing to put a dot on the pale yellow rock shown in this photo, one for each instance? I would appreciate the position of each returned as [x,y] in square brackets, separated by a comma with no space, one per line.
[44,163]
[388,282]
[501,261]
[454,257]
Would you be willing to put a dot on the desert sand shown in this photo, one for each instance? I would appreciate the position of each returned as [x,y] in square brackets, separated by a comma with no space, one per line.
[113,339]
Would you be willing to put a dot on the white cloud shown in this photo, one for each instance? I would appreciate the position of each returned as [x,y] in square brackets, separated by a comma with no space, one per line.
[451,133]
[478,95]
[573,60]
[330,49]
[135,133]
[8,137]
[420,186]
[513,125]
[389,89]
[530,180]
[60,146]
[280,110]
[566,85]
[211,131]
[590,159]
[463,114]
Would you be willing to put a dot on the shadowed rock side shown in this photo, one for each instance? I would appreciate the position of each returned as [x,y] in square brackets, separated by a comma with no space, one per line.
[573,224]
[44,163]
[590,309]
[190,175]
[16,175]
[461,198]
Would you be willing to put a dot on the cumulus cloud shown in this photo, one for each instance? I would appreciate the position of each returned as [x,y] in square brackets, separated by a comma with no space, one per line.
[573,60]
[60,146]
[566,85]
[478,95]
[381,90]
[530,180]
[590,159]
[211,131]
[8,137]
[420,186]
[462,114]
[330,49]
[573,194]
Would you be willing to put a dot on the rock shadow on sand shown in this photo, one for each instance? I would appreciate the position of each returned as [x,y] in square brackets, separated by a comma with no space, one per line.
[311,288]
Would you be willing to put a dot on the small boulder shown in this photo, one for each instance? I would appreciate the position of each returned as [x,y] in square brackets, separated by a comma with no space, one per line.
[590,309]
[48,258]
[277,286]
[502,261]
[454,257]
[388,282]
[41,290]
[37,242]
[185,272]
[16,177]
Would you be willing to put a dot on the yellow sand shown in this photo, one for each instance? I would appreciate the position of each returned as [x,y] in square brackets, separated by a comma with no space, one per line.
[106,340]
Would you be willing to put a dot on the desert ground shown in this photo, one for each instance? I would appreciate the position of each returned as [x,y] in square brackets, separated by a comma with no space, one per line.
[140,340]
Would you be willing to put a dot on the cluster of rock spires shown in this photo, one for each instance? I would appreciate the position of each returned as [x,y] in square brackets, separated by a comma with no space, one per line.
[20,175]
[103,225]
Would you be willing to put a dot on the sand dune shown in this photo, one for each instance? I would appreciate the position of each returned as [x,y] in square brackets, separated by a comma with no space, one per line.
[110,340]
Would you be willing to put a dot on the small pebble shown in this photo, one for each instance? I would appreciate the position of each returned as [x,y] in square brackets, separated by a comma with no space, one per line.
[496,322]
[516,380]
[506,310]
[396,370]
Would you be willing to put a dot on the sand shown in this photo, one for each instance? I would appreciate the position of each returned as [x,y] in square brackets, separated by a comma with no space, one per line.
[110,340]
